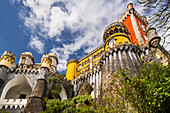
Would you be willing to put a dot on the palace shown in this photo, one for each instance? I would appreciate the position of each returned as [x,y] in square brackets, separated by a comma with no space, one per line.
[24,86]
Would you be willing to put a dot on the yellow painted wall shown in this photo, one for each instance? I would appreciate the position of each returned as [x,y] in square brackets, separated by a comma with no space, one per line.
[119,38]
[45,62]
[6,61]
[72,70]
[88,64]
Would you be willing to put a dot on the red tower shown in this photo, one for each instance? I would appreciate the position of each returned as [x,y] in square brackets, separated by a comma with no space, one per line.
[136,25]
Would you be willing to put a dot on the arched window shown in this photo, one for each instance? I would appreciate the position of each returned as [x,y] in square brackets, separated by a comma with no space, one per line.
[115,30]
[23,60]
[111,42]
[120,30]
[111,32]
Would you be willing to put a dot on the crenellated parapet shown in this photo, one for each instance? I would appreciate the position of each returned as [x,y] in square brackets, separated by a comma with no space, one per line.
[124,56]
[12,103]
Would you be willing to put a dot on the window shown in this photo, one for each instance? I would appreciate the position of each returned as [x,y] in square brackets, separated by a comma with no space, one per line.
[111,42]
[80,66]
[145,37]
[22,96]
[142,27]
[23,60]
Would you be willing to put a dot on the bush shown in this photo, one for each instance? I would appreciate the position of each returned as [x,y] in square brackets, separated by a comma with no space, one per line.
[149,91]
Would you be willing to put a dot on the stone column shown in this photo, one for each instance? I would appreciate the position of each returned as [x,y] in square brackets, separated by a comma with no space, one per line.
[97,84]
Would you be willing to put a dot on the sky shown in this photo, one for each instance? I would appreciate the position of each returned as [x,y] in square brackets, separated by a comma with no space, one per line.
[68,28]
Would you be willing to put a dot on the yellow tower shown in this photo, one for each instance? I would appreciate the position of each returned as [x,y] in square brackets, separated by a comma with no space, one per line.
[46,61]
[7,59]
[116,33]
[72,69]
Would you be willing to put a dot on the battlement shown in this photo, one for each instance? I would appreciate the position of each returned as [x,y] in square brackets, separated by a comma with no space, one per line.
[12,103]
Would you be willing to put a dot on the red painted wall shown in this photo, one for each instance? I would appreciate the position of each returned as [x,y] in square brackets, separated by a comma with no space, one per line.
[143,33]
[128,23]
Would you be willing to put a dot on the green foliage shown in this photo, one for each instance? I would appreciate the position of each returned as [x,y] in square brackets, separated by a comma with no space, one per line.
[68,106]
[148,92]
[58,77]
[55,90]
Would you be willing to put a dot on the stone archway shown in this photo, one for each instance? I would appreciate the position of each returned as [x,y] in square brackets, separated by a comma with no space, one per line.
[17,88]
[85,88]
[62,94]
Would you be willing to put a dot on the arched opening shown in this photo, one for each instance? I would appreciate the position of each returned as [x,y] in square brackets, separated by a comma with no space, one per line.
[85,88]
[111,32]
[116,30]
[23,60]
[111,42]
[120,30]
[17,88]
[57,91]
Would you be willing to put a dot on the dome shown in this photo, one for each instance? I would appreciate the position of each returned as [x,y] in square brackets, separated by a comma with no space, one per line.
[116,27]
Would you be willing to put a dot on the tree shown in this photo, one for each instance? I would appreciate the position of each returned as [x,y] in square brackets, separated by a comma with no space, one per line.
[149,91]
[160,17]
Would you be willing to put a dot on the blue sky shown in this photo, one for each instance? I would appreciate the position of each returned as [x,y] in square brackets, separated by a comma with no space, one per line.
[69,28]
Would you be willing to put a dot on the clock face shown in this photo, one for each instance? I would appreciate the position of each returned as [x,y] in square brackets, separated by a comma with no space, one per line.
[111,42]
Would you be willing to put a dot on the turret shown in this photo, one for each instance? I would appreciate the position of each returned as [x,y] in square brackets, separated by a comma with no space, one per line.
[26,58]
[46,61]
[7,59]
[72,69]
[116,33]
[36,102]
[153,37]
[153,40]
[54,62]
[130,6]
[136,25]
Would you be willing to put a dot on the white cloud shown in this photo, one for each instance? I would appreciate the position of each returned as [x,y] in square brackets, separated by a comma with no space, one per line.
[48,18]
[36,44]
